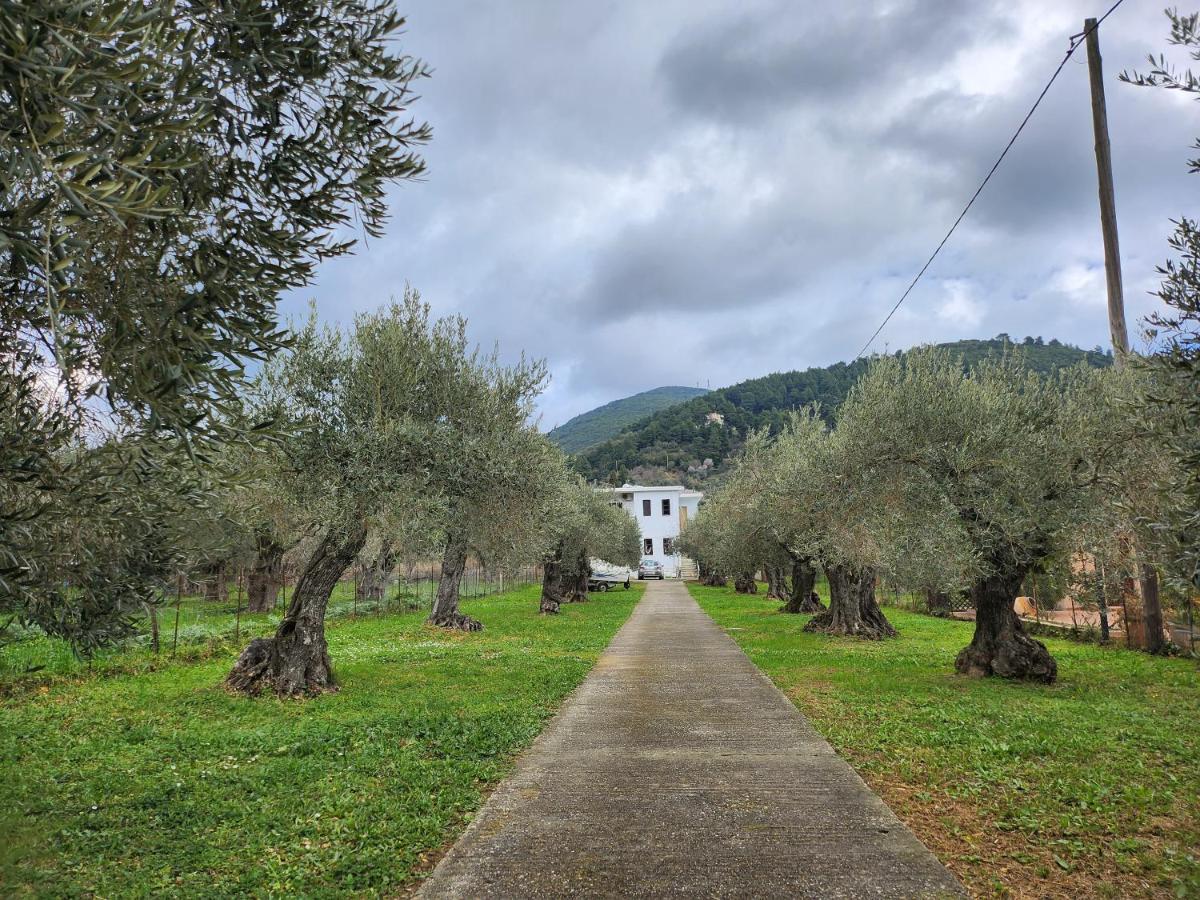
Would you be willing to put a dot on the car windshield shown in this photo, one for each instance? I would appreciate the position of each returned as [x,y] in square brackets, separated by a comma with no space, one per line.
[649,562]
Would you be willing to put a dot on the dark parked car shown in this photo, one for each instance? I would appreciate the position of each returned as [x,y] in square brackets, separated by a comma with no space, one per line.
[650,568]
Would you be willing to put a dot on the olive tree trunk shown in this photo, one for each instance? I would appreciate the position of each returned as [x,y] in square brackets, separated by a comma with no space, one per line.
[853,609]
[296,660]
[552,583]
[215,588]
[374,579]
[710,577]
[1152,617]
[938,603]
[1000,645]
[744,583]
[802,598]
[265,575]
[577,583]
[445,612]
[776,583]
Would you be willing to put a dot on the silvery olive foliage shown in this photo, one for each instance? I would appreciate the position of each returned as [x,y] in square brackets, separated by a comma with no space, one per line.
[586,524]
[400,416]
[397,417]
[967,473]
[1138,503]
[81,561]
[1174,395]
[167,169]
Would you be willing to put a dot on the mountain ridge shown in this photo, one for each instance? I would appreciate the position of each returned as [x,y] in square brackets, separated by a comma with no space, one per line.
[686,443]
[595,426]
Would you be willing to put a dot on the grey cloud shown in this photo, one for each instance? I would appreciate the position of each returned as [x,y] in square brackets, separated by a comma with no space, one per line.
[711,191]
[754,64]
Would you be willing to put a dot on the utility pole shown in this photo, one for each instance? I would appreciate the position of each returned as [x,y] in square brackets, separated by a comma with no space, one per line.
[1152,619]
[1108,203]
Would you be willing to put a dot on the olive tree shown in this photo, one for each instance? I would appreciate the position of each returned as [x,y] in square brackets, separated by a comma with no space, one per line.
[726,539]
[825,497]
[1135,479]
[986,466]
[701,540]
[367,410]
[167,170]
[585,524]
[792,489]
[752,536]
[492,472]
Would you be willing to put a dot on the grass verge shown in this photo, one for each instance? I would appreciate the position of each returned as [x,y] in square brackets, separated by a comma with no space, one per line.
[1087,788]
[193,629]
[158,782]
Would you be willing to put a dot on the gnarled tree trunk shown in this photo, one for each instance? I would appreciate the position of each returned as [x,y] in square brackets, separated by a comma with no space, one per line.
[710,577]
[776,583]
[853,609]
[552,583]
[938,603]
[577,587]
[296,660]
[802,598]
[373,583]
[1000,645]
[265,576]
[445,612]
[744,583]
[215,588]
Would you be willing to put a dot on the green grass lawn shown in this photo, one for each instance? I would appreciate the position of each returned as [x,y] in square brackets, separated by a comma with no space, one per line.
[146,778]
[1090,787]
[198,628]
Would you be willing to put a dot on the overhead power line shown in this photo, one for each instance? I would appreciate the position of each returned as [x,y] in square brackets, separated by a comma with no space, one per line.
[1076,41]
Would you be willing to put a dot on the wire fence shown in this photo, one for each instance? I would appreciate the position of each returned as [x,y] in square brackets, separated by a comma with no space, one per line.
[202,614]
[207,609]
[1067,617]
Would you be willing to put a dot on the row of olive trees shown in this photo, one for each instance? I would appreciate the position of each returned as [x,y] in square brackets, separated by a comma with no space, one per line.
[398,428]
[169,171]
[946,481]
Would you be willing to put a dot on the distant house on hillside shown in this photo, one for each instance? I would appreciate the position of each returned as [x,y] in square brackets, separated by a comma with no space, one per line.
[661,513]
[715,418]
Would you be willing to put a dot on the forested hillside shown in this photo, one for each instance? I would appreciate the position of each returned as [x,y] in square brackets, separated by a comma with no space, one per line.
[675,443]
[598,425]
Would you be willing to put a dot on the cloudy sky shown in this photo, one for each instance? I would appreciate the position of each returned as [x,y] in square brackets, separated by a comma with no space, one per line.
[651,192]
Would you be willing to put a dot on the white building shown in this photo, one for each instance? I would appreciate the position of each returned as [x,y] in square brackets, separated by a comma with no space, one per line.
[661,513]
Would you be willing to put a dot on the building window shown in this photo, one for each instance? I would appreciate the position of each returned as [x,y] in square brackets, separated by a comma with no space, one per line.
[668,546]
[645,507]
[648,544]
[667,506]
